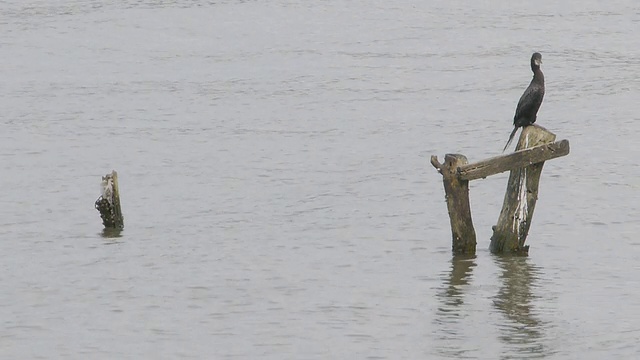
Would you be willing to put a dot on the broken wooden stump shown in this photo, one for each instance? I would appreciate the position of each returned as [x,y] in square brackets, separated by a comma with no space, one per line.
[457,195]
[535,146]
[108,204]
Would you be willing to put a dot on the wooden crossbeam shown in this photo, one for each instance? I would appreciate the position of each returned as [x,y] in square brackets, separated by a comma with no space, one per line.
[515,160]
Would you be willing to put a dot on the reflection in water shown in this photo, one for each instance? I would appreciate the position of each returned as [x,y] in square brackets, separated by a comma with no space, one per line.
[522,332]
[450,314]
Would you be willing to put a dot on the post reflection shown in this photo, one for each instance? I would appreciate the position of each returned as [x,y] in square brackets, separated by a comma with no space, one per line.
[451,310]
[522,332]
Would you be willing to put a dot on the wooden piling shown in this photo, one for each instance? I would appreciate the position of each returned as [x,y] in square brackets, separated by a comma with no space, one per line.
[510,233]
[535,146]
[108,204]
[457,196]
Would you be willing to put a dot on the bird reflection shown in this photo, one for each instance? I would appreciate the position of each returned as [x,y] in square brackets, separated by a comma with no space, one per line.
[522,332]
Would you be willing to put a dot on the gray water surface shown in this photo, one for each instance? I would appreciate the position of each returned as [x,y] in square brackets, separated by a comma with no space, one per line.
[275,180]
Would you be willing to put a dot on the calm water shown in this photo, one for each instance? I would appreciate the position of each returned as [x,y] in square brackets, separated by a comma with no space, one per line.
[279,202]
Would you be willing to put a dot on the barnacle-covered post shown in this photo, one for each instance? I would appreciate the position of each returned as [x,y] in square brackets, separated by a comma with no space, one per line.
[108,204]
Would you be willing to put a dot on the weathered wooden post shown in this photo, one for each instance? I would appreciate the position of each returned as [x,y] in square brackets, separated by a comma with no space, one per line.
[457,195]
[534,148]
[510,233]
[108,204]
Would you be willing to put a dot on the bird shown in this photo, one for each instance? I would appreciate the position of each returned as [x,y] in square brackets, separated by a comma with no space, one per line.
[531,99]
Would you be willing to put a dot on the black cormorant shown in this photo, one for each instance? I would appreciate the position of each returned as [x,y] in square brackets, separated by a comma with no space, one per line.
[530,101]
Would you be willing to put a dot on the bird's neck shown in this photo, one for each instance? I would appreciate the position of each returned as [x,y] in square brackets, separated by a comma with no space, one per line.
[538,75]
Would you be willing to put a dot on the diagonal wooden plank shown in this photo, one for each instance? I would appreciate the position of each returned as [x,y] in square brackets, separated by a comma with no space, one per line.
[518,159]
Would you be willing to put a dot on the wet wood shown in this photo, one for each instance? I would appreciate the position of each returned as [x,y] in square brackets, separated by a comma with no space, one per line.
[457,197]
[108,204]
[518,159]
[510,233]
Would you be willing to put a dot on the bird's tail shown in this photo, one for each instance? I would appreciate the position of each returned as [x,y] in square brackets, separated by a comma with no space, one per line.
[513,133]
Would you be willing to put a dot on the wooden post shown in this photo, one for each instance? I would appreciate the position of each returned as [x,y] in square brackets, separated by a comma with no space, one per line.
[534,148]
[108,204]
[457,195]
[510,233]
